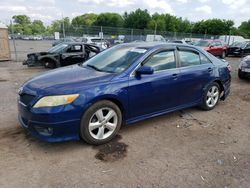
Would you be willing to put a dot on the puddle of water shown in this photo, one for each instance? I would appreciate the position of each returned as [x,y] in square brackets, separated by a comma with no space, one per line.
[112,151]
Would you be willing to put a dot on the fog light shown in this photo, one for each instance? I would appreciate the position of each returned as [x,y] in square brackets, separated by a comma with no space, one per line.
[45,131]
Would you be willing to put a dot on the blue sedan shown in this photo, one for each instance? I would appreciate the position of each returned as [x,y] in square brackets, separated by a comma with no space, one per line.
[122,85]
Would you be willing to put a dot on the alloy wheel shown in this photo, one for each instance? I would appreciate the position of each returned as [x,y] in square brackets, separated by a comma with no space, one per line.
[103,123]
[212,96]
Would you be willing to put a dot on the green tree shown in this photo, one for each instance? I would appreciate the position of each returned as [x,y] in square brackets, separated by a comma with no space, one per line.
[109,19]
[244,29]
[21,19]
[138,19]
[38,27]
[84,20]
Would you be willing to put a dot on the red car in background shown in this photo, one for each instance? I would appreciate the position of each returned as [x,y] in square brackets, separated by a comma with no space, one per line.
[215,47]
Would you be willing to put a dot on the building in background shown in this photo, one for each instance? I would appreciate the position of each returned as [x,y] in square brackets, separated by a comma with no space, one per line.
[4,43]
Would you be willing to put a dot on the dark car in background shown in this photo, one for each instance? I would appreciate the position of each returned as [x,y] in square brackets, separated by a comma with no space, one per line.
[122,85]
[62,54]
[239,49]
[215,47]
[244,68]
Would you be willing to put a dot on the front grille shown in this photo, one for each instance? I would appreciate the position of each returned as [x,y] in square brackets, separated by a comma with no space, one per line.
[26,98]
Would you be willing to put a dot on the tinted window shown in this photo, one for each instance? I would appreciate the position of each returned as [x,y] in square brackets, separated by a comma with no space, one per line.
[162,61]
[204,59]
[189,58]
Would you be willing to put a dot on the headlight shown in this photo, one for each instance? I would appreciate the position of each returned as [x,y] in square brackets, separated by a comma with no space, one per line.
[55,100]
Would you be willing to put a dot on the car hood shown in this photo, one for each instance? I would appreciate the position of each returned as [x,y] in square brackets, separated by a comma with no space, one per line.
[37,54]
[65,80]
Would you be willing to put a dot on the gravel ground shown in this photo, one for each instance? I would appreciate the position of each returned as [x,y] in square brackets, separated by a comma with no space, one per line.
[189,148]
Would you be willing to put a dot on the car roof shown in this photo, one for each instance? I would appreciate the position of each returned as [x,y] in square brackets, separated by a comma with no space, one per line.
[152,45]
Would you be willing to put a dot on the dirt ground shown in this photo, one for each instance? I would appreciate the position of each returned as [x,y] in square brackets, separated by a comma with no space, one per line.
[189,148]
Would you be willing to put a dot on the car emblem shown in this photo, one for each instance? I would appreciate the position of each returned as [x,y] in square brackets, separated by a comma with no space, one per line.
[20,90]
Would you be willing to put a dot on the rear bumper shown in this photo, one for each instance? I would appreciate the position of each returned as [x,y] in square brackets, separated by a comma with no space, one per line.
[226,86]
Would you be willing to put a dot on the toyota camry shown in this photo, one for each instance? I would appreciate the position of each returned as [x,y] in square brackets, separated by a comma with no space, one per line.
[122,85]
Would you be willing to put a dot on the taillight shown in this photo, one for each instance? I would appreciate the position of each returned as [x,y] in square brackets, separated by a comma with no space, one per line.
[229,67]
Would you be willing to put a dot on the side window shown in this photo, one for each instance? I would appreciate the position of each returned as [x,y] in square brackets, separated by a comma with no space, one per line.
[75,48]
[162,61]
[189,58]
[204,59]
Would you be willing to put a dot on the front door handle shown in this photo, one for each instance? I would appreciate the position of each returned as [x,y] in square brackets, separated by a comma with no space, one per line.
[175,76]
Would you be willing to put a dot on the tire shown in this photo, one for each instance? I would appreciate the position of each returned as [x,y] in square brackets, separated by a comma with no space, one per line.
[223,55]
[241,74]
[49,64]
[210,93]
[100,123]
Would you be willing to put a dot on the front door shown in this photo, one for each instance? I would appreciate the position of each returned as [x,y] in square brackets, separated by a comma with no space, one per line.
[158,92]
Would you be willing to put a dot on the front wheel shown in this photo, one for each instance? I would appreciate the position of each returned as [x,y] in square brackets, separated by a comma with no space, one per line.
[211,96]
[101,122]
[240,74]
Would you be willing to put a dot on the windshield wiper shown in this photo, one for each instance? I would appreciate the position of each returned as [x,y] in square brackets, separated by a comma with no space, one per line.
[94,67]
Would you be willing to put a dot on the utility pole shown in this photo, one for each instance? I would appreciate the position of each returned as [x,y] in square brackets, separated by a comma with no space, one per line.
[63,26]
[13,38]
[155,29]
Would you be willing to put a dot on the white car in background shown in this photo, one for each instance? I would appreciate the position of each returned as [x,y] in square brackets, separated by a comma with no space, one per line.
[102,43]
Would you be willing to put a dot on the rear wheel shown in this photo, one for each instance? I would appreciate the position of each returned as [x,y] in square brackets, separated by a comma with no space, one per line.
[101,122]
[211,96]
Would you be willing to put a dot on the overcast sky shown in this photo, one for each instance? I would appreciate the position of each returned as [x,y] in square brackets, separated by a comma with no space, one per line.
[194,10]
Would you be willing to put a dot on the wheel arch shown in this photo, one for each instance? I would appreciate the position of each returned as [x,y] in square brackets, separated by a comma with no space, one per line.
[113,99]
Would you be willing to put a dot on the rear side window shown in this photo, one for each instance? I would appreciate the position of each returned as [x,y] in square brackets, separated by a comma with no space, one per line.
[189,58]
[162,61]
[204,59]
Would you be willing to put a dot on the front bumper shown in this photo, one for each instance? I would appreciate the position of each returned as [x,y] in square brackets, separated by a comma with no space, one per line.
[31,63]
[50,127]
[245,71]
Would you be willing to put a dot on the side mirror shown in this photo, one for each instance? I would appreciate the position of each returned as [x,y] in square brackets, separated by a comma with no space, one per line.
[211,46]
[144,70]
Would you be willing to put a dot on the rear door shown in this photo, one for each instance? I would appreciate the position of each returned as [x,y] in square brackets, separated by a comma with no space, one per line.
[196,70]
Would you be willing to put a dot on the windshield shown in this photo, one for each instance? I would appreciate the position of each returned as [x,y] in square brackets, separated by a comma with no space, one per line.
[236,44]
[58,48]
[202,43]
[116,59]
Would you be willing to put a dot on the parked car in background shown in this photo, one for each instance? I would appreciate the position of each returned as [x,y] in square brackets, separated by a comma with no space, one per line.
[97,41]
[239,49]
[38,37]
[215,47]
[62,54]
[178,41]
[244,68]
[230,39]
[119,39]
[122,85]
[155,38]
[62,40]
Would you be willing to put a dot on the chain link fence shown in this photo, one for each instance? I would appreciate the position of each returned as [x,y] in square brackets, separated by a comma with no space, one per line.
[21,45]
